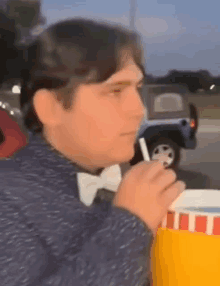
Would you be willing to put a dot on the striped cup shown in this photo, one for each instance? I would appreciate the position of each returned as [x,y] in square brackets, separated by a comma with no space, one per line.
[186,249]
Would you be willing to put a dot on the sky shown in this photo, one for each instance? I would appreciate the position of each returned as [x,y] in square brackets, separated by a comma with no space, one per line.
[176,34]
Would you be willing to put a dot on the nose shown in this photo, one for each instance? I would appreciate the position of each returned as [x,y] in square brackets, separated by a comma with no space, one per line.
[134,105]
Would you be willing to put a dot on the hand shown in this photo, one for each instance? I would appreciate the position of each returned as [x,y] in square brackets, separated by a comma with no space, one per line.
[147,190]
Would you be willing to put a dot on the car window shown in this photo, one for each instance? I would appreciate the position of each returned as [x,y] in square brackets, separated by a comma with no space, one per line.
[168,102]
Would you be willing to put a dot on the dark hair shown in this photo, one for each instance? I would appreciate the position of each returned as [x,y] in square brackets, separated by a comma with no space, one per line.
[69,53]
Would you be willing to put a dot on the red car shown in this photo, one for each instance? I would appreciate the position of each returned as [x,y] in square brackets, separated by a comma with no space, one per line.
[12,138]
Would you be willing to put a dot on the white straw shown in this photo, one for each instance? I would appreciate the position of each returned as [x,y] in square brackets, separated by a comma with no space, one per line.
[144,150]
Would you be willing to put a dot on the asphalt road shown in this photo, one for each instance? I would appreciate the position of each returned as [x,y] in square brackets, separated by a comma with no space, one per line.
[200,168]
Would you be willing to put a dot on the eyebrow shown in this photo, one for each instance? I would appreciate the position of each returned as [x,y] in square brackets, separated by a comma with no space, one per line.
[125,82]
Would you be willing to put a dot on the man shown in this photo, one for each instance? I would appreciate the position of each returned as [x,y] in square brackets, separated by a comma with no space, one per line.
[83,111]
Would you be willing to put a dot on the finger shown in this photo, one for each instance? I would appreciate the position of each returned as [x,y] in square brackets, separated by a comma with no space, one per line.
[152,169]
[165,178]
[145,168]
[172,193]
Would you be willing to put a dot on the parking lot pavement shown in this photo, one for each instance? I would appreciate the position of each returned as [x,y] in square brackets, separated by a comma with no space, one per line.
[195,179]
[209,126]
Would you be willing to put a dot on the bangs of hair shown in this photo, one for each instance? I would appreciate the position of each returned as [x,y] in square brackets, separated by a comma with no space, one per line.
[63,51]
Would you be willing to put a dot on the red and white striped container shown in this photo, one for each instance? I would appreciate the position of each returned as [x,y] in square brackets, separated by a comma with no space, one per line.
[195,211]
[186,249]
[181,220]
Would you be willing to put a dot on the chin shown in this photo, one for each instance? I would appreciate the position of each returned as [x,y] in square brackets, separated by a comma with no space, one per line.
[126,157]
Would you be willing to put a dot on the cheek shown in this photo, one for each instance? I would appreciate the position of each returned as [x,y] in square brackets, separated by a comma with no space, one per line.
[102,121]
[86,131]
[95,126]
[92,139]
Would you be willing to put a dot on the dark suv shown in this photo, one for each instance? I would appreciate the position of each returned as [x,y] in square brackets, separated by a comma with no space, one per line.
[171,124]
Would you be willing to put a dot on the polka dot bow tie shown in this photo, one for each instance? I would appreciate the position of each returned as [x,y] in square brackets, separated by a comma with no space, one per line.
[89,185]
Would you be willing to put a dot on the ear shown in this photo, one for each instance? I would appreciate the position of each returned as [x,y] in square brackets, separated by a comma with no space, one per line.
[47,107]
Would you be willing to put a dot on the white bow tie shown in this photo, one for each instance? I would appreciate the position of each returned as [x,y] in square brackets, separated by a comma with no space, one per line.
[88,184]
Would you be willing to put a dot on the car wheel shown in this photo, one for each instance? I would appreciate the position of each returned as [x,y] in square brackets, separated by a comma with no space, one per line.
[167,147]
[165,150]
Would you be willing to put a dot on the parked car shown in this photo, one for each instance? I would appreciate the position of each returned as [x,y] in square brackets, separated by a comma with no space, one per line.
[14,137]
[2,136]
[171,124]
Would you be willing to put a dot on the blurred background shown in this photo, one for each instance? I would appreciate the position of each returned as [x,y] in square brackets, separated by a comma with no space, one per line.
[181,40]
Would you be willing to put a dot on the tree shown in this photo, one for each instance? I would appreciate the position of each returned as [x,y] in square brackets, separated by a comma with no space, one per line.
[26,14]
[192,79]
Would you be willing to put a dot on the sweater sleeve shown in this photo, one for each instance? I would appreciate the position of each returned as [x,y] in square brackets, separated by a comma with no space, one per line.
[104,246]
[118,251]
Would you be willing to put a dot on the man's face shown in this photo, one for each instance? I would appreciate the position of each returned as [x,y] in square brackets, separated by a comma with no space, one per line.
[94,132]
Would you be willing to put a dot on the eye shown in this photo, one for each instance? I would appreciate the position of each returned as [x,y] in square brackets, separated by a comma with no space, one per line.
[116,91]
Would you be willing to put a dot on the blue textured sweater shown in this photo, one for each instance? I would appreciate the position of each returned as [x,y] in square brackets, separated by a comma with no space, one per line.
[48,237]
